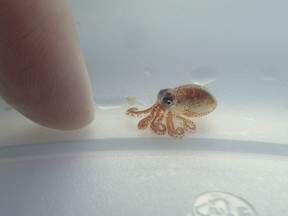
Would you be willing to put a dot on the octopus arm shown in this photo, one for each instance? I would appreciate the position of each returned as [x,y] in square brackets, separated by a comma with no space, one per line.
[136,112]
[143,124]
[188,125]
[172,131]
[156,125]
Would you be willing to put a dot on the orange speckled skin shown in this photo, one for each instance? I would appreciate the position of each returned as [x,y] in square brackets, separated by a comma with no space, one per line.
[167,114]
[193,100]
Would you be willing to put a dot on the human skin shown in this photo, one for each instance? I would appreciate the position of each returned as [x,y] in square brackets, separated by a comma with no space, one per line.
[42,71]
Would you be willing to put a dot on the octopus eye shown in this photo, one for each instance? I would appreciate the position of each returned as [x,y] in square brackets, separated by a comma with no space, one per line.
[168,101]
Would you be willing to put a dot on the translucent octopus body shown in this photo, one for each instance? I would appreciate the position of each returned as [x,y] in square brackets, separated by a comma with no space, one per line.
[172,106]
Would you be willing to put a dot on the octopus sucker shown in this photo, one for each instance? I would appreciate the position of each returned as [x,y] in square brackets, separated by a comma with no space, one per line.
[172,109]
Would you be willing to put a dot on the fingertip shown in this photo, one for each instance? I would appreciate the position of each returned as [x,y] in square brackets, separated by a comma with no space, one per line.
[42,70]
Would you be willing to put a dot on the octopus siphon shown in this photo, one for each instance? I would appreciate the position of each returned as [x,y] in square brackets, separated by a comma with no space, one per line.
[172,107]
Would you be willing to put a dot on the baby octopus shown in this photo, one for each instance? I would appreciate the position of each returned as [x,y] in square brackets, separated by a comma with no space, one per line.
[172,106]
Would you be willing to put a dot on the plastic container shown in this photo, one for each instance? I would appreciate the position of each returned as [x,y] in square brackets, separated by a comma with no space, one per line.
[234,164]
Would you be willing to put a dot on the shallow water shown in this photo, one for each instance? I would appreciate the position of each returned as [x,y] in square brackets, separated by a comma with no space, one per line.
[112,122]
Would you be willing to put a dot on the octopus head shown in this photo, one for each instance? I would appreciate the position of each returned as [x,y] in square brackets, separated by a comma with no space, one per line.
[166,98]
